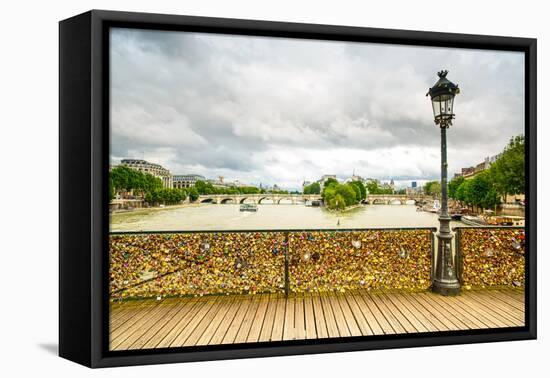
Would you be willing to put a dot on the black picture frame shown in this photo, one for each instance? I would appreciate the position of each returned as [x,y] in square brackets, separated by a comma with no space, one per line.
[84,166]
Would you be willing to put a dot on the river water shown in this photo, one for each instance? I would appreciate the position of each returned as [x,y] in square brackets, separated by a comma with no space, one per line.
[269,217]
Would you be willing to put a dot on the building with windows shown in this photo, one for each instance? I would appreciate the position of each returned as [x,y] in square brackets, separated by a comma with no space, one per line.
[154,169]
[324,178]
[186,181]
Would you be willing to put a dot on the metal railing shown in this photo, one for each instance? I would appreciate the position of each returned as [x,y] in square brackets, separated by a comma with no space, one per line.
[179,263]
[152,264]
[490,255]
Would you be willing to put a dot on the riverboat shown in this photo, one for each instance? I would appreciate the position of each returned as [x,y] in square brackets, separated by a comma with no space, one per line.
[506,220]
[248,207]
[471,220]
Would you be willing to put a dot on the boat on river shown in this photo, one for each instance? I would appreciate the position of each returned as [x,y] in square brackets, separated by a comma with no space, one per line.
[248,207]
[472,220]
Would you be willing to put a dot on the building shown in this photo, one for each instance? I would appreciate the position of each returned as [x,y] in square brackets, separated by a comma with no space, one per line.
[186,181]
[324,178]
[413,184]
[471,172]
[154,169]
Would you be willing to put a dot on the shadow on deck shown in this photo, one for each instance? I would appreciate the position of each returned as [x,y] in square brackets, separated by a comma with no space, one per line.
[180,322]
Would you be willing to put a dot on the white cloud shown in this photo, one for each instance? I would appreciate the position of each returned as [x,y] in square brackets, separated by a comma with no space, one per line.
[280,110]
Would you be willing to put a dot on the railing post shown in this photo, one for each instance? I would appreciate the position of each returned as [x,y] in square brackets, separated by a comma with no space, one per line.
[432,254]
[458,255]
[287,280]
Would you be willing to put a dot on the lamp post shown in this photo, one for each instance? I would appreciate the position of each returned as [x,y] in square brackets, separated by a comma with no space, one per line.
[445,279]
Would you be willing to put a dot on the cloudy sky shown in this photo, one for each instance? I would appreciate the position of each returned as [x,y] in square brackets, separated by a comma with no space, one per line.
[281,111]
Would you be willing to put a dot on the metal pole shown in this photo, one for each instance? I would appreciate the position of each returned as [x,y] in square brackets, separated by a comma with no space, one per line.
[287,281]
[445,279]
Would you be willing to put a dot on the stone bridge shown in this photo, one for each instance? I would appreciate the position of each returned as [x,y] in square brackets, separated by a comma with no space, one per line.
[403,199]
[276,199]
[300,199]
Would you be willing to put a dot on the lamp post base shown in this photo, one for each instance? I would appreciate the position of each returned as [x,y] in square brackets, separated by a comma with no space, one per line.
[447,289]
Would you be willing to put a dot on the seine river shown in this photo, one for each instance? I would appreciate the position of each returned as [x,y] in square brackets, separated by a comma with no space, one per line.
[228,217]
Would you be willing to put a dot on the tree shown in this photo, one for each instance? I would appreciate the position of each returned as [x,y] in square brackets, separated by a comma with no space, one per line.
[337,202]
[362,189]
[459,192]
[508,171]
[330,181]
[432,188]
[314,188]
[453,186]
[193,194]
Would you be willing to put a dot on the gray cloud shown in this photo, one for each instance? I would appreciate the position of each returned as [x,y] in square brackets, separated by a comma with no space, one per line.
[281,110]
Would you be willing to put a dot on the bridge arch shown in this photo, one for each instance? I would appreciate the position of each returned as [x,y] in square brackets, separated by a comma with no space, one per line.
[228,200]
[266,199]
[285,199]
[208,200]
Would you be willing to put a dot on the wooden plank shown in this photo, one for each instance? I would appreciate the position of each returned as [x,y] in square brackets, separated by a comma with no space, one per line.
[330,320]
[420,314]
[167,315]
[358,315]
[488,317]
[288,332]
[246,324]
[341,323]
[233,329]
[469,312]
[400,314]
[377,298]
[279,320]
[351,321]
[495,304]
[214,324]
[131,312]
[267,326]
[457,314]
[366,302]
[440,322]
[299,318]
[515,294]
[125,329]
[209,304]
[220,332]
[309,317]
[138,330]
[320,322]
[172,326]
[490,310]
[257,323]
[518,304]
[182,324]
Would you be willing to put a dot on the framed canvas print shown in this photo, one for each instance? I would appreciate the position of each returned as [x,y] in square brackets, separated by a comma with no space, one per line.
[234,188]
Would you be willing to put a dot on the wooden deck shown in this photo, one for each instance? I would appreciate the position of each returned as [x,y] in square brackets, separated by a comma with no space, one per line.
[178,322]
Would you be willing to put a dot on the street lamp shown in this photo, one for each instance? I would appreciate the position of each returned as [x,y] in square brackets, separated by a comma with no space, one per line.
[445,279]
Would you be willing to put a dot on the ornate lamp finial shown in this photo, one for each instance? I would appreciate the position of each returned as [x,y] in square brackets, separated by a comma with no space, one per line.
[442,73]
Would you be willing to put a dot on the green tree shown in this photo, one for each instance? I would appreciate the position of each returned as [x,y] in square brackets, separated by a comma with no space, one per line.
[459,192]
[330,181]
[433,188]
[508,171]
[193,194]
[453,186]
[314,188]
[337,202]
[362,189]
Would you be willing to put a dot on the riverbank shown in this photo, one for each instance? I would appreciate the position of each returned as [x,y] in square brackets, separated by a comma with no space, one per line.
[347,209]
[139,210]
[203,217]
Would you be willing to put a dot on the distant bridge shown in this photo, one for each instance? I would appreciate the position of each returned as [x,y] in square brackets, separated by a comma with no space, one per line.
[387,199]
[277,199]
[300,199]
